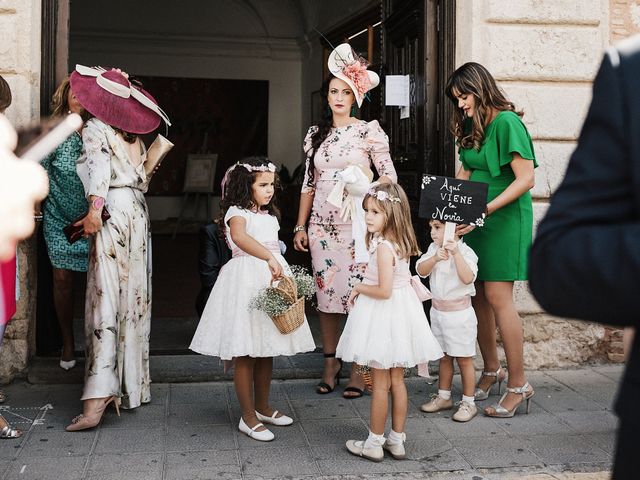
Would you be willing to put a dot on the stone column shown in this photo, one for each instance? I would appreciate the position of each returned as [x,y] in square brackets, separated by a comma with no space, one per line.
[20,54]
[544,54]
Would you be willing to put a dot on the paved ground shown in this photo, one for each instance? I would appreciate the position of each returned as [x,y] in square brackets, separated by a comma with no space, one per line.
[189,431]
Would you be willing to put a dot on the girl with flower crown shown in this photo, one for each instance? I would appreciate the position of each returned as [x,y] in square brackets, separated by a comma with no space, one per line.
[338,141]
[387,329]
[228,327]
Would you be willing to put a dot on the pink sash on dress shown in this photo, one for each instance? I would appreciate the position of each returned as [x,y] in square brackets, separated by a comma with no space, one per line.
[273,247]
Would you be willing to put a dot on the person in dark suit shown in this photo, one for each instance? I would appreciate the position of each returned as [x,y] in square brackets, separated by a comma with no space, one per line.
[585,261]
[213,254]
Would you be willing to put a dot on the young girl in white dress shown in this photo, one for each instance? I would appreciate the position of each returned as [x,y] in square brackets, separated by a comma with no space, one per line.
[228,328]
[452,267]
[387,329]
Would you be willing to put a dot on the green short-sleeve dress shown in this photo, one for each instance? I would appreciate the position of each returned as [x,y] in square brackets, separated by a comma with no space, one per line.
[503,243]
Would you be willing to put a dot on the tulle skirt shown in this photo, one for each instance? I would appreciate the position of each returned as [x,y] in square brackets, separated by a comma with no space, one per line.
[388,333]
[229,328]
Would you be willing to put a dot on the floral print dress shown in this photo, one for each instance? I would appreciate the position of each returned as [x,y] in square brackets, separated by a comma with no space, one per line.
[330,238]
[118,299]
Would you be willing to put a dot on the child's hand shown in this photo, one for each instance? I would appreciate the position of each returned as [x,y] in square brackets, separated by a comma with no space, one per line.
[275,267]
[353,295]
[441,254]
[451,246]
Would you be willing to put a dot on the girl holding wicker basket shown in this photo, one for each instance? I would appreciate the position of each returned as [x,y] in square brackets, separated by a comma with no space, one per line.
[387,329]
[229,328]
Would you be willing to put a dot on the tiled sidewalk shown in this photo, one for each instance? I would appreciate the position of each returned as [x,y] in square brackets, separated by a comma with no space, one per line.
[189,431]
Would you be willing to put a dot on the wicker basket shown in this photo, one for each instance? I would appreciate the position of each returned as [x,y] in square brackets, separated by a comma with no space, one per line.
[293,317]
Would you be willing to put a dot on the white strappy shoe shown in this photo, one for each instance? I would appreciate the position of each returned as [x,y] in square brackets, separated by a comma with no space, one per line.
[281,421]
[500,412]
[262,436]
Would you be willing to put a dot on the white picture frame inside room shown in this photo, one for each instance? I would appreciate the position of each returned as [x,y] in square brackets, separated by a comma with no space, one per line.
[200,173]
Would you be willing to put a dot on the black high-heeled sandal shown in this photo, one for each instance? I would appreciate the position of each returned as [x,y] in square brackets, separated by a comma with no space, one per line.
[328,388]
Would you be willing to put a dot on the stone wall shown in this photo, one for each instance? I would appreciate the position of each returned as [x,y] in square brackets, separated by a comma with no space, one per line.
[20,66]
[624,19]
[544,54]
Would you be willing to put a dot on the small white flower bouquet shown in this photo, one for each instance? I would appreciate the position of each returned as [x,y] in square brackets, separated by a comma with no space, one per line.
[284,303]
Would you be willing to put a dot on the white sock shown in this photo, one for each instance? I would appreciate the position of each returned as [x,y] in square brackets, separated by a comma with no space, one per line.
[374,440]
[444,394]
[395,438]
[470,400]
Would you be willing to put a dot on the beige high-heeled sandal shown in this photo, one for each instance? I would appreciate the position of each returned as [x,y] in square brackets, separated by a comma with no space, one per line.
[84,422]
[500,412]
[499,375]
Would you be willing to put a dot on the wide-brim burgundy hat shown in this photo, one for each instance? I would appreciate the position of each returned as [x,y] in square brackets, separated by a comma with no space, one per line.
[109,96]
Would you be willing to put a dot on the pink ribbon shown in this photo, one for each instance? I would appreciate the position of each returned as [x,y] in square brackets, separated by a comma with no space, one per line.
[423,292]
[271,246]
[455,305]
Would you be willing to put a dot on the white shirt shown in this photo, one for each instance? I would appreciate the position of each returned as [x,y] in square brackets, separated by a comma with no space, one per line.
[445,283]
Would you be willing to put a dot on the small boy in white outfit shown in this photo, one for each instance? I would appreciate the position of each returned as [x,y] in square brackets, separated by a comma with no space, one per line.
[453,268]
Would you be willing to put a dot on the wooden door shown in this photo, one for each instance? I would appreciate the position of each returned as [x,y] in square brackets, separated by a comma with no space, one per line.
[416,44]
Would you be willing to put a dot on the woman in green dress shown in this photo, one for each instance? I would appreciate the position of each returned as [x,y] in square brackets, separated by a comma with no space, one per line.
[65,202]
[496,148]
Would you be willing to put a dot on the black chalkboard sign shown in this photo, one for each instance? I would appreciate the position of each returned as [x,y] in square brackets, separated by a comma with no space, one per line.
[451,200]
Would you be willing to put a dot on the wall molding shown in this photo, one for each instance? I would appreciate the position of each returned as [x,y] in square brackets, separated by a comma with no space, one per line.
[186,45]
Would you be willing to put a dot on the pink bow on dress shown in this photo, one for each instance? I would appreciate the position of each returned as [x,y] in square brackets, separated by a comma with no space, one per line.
[423,292]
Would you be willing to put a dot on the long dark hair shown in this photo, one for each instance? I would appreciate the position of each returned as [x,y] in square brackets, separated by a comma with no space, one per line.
[474,79]
[238,192]
[323,128]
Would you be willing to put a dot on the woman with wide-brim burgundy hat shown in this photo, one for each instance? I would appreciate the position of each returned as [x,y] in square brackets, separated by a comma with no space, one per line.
[118,298]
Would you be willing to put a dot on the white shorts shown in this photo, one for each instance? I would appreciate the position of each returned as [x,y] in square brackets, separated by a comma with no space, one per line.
[456,332]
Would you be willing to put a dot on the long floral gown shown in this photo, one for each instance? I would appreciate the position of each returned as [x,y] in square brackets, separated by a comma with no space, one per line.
[330,238]
[118,299]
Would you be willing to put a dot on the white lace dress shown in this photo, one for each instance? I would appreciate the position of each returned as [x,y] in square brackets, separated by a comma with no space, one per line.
[228,328]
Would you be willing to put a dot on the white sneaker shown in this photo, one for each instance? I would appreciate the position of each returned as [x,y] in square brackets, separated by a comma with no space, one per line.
[396,449]
[281,421]
[356,447]
[262,436]
[466,411]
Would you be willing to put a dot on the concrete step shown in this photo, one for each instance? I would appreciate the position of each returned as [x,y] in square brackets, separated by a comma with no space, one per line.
[180,369]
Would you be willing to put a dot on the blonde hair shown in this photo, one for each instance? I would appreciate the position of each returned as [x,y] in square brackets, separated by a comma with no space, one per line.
[60,101]
[397,227]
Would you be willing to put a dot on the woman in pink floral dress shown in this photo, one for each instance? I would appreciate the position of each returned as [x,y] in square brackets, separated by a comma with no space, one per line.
[339,141]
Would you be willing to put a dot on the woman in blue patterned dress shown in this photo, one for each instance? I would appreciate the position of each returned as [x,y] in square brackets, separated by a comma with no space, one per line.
[65,202]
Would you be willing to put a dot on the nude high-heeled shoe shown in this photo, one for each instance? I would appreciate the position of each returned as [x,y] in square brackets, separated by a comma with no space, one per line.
[499,375]
[84,422]
[498,411]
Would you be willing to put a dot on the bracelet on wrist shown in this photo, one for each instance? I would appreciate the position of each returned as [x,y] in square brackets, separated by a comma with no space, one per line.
[299,228]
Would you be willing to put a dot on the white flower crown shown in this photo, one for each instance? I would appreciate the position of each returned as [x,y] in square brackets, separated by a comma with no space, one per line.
[270,167]
[383,196]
